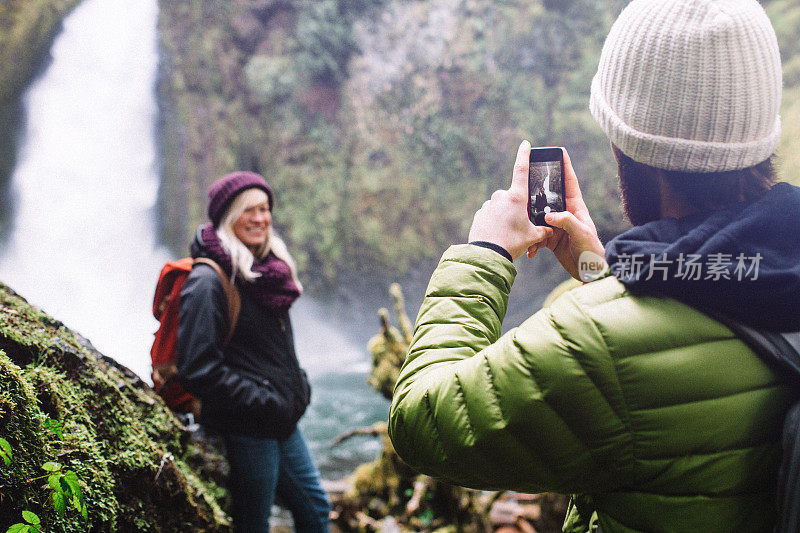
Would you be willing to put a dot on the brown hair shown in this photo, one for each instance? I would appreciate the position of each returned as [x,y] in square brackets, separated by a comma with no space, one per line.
[641,199]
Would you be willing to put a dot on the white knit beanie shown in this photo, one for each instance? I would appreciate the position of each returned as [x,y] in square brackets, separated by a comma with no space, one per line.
[690,85]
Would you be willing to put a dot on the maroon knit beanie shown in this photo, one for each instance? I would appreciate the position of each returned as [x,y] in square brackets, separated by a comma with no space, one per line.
[225,189]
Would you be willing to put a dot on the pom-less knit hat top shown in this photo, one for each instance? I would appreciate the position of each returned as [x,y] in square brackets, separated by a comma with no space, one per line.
[224,190]
[690,85]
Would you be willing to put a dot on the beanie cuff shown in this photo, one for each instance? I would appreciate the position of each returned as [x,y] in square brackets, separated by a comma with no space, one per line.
[676,154]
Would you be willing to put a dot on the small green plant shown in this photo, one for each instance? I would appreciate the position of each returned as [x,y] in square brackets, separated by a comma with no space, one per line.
[5,451]
[64,486]
[51,425]
[65,489]
[426,517]
[54,426]
[32,524]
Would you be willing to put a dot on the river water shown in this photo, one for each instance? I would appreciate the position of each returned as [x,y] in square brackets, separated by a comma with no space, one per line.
[80,239]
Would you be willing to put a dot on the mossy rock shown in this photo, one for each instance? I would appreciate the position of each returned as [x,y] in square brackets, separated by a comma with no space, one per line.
[62,401]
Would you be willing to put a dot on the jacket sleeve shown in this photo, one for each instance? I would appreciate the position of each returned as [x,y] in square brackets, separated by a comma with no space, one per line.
[519,412]
[200,361]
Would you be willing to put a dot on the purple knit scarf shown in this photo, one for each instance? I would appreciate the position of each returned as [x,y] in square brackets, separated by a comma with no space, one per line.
[274,289]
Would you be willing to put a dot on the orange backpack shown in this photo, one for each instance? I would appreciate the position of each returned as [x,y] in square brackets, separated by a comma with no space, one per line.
[166,307]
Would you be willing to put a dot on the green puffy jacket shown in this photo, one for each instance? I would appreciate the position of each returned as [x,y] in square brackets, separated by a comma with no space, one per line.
[654,415]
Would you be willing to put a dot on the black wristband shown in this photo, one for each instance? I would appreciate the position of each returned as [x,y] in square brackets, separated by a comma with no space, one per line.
[492,246]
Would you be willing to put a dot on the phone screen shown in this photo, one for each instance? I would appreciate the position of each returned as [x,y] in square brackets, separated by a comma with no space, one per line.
[545,184]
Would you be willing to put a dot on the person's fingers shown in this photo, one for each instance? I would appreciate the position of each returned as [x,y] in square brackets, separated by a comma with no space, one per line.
[537,234]
[566,221]
[519,180]
[540,236]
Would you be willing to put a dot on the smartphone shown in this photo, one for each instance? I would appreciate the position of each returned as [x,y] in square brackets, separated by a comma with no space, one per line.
[545,184]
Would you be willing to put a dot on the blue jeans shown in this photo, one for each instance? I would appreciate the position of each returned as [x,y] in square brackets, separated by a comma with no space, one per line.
[260,468]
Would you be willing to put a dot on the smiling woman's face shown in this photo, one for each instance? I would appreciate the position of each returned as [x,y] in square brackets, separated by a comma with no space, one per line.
[252,226]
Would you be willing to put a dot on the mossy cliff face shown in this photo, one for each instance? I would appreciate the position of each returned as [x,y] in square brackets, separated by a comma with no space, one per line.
[125,446]
[382,125]
[785,17]
[27,28]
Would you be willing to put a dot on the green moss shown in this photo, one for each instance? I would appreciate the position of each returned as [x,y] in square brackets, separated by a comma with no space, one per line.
[81,449]
[127,449]
[20,425]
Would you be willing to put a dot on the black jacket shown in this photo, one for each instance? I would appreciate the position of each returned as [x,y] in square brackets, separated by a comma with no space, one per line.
[256,386]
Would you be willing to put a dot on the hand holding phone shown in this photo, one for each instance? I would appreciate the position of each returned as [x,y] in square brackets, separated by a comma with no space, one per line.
[574,234]
[503,219]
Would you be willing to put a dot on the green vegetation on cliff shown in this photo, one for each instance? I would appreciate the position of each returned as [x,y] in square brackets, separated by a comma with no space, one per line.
[127,450]
[785,16]
[27,28]
[383,125]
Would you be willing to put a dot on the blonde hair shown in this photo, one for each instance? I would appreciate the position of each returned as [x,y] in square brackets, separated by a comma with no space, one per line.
[242,258]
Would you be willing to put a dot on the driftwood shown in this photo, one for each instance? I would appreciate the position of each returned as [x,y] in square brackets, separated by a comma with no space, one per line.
[375,430]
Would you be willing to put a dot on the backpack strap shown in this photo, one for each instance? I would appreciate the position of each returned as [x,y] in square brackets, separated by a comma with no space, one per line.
[781,352]
[231,294]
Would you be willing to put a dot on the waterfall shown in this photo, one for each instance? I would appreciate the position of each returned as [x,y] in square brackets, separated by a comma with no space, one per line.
[81,243]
